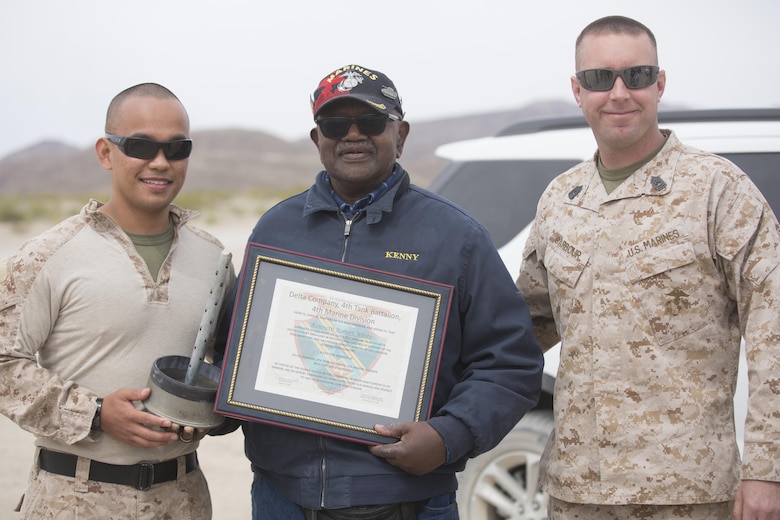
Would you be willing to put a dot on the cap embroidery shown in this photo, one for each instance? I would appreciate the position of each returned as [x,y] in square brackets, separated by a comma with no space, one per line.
[351,79]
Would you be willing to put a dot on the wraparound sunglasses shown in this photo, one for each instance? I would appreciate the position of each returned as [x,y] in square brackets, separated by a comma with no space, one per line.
[368,125]
[147,149]
[640,76]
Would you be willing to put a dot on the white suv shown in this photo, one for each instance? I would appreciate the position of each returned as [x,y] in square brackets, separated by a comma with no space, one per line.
[499,180]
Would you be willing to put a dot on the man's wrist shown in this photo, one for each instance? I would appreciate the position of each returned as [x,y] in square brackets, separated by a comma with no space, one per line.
[96,419]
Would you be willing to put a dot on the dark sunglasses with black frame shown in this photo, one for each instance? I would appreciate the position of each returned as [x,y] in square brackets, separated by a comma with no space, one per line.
[639,76]
[147,149]
[368,124]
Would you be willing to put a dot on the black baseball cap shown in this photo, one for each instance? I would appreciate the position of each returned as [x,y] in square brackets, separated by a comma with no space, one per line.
[353,81]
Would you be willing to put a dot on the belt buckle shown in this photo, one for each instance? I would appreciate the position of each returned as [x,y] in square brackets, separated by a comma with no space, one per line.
[145,476]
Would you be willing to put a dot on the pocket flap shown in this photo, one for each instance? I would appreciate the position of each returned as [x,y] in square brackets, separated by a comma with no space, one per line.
[566,267]
[659,260]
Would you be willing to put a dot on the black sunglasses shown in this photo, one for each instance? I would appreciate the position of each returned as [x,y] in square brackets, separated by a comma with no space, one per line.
[640,76]
[147,149]
[368,125]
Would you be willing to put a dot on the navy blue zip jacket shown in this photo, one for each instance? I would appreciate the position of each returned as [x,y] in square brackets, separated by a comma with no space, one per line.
[491,365]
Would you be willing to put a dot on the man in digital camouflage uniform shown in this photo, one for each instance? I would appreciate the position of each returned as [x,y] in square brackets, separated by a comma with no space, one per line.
[648,262]
[85,310]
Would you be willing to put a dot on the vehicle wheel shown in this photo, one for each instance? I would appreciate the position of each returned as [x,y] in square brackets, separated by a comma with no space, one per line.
[501,484]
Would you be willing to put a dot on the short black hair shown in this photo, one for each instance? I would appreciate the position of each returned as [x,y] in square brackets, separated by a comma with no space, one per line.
[615,25]
[142,89]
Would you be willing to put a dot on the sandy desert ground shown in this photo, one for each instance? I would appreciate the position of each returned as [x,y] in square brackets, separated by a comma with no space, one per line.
[222,458]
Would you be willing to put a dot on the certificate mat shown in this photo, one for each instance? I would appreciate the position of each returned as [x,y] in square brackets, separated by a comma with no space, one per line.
[329,347]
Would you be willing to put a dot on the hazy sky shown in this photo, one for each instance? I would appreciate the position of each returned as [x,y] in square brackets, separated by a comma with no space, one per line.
[253,63]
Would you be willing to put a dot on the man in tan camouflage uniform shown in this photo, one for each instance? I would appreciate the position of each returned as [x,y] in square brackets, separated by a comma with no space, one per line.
[85,310]
[648,262]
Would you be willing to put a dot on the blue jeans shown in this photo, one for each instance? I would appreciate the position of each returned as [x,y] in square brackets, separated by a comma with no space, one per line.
[269,504]
[442,507]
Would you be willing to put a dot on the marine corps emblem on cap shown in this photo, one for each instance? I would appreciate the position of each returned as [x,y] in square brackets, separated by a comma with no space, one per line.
[356,82]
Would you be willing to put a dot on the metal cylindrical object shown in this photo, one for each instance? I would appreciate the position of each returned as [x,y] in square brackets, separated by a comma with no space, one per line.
[209,319]
[184,404]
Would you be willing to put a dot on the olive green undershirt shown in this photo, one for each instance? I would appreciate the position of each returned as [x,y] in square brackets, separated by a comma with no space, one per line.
[153,248]
[614,178]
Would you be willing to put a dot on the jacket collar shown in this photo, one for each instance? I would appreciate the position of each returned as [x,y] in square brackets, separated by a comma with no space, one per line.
[318,197]
[653,179]
[102,222]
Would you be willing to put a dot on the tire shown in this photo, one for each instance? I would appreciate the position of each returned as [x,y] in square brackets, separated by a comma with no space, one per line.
[501,484]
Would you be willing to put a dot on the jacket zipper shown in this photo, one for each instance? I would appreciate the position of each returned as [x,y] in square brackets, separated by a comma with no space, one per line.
[347,229]
[322,476]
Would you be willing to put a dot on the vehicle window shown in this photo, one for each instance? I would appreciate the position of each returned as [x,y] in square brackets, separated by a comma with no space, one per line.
[502,195]
[764,170]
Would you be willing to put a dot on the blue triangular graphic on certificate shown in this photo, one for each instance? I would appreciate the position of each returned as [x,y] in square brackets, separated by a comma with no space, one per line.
[337,353]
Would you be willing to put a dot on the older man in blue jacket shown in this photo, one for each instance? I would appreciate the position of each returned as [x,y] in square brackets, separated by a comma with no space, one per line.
[362,210]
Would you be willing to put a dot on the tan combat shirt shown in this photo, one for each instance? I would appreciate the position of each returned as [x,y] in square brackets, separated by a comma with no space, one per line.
[81,317]
[649,289]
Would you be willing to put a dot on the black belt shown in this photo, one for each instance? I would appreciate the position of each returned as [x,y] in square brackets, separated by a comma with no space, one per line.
[141,476]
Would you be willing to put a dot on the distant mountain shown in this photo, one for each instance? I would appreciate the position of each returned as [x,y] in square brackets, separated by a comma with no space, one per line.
[236,160]
[41,149]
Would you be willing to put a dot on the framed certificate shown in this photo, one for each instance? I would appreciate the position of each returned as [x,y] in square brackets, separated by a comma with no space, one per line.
[330,347]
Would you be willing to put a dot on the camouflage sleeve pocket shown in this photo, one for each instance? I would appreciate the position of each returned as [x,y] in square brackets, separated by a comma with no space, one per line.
[7,294]
[735,231]
[747,220]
